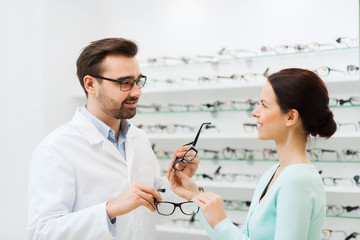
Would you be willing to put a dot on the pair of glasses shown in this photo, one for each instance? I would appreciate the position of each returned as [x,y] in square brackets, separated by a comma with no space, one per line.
[327,233]
[237,205]
[190,154]
[351,100]
[180,107]
[247,104]
[164,154]
[209,153]
[152,107]
[348,42]
[347,126]
[166,208]
[325,71]
[126,83]
[242,153]
[169,128]
[352,70]
[245,77]
[249,127]
[235,52]
[319,153]
[350,154]
[339,210]
[232,177]
[333,181]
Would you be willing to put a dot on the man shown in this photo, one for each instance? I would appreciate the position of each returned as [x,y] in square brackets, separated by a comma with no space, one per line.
[96,177]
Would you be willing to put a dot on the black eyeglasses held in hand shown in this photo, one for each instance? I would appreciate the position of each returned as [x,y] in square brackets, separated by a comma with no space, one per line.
[166,208]
[190,154]
[126,83]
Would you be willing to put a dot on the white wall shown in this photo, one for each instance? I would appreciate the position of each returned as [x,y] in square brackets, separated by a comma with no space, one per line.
[42,39]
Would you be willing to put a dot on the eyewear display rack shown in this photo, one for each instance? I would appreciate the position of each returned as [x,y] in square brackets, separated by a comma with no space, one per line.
[179,93]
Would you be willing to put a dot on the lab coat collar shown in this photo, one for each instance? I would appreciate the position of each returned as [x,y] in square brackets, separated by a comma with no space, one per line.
[91,133]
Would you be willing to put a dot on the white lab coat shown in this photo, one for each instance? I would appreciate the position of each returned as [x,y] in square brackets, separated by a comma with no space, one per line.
[76,170]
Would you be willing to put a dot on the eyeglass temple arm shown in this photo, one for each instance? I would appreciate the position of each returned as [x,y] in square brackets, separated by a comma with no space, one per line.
[198,134]
[353,235]
[217,170]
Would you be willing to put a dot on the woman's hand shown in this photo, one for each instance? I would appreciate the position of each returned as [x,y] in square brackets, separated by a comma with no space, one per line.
[191,166]
[212,206]
[181,184]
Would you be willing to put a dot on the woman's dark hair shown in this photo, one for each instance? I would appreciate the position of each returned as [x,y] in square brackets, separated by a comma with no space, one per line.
[89,61]
[304,91]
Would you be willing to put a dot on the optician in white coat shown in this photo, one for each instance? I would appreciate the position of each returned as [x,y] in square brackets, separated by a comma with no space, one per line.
[75,157]
[85,183]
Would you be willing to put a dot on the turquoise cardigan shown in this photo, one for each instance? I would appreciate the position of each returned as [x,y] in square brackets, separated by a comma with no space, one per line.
[293,208]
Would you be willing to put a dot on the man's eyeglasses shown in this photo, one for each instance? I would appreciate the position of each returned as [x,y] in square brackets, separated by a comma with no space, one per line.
[166,208]
[190,154]
[126,84]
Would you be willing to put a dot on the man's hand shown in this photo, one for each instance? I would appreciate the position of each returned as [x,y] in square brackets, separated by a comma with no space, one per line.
[191,165]
[136,195]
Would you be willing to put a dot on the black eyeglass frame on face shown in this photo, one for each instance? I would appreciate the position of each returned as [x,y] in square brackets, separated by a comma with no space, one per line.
[192,148]
[140,82]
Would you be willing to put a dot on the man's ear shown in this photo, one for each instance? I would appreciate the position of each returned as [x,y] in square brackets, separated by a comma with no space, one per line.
[89,82]
[292,117]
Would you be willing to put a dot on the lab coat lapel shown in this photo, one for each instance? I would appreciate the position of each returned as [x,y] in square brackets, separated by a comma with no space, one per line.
[92,134]
[130,147]
[111,149]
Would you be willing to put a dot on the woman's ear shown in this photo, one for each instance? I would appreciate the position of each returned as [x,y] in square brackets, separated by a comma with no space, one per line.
[292,117]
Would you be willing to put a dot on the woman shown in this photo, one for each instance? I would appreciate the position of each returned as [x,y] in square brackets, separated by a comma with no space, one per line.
[289,201]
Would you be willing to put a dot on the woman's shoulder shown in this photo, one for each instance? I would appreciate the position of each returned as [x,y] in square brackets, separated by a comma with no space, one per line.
[304,175]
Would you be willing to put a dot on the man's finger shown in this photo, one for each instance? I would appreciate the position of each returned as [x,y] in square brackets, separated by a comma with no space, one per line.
[149,199]
[149,190]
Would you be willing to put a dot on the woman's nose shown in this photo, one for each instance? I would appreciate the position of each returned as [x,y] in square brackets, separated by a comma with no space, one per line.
[255,112]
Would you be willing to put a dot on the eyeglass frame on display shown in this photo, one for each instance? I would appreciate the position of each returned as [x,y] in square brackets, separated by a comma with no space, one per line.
[342,209]
[343,101]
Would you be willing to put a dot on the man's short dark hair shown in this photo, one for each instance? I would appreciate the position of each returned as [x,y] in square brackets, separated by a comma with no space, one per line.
[89,61]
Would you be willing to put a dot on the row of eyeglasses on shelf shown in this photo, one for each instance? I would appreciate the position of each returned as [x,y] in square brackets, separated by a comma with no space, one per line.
[226,53]
[267,154]
[326,234]
[174,128]
[250,178]
[228,105]
[323,71]
[218,176]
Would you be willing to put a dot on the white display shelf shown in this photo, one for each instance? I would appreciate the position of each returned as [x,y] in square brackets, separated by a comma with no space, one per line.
[252,186]
[177,88]
[223,184]
[182,230]
[342,189]
[224,60]
[230,136]
[203,136]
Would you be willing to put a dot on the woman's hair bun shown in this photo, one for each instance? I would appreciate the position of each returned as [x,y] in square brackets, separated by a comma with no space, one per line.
[326,127]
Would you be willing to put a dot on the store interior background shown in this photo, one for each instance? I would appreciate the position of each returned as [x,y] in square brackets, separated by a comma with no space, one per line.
[41,40]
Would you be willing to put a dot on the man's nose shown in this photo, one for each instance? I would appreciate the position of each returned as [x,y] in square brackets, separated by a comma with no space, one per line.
[135,91]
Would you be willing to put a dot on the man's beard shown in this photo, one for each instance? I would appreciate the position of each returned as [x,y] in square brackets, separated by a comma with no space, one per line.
[116,110]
